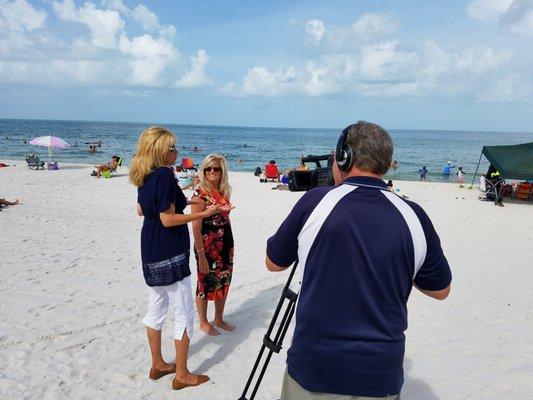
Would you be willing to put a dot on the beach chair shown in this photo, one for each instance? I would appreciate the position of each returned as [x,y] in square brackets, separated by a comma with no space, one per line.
[33,162]
[113,171]
[187,164]
[492,189]
[187,168]
[271,172]
[524,191]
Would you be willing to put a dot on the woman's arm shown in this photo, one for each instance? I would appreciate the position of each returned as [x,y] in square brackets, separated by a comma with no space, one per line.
[198,206]
[169,218]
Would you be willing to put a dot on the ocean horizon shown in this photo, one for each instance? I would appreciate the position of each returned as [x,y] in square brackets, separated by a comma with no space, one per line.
[249,147]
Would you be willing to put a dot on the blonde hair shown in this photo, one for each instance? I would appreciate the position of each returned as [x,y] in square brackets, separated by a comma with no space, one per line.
[152,148]
[223,187]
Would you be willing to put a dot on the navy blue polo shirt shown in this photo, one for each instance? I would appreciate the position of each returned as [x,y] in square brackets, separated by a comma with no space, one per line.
[360,248]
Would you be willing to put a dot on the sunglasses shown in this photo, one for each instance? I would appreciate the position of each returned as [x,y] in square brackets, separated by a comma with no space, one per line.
[214,169]
[173,148]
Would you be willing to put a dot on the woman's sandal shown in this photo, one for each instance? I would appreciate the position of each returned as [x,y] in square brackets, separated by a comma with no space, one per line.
[155,374]
[177,385]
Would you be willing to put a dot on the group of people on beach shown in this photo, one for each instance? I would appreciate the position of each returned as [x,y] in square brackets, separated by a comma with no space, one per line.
[352,313]
[165,247]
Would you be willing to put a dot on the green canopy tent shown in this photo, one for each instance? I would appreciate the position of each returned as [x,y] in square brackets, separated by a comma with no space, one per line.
[513,162]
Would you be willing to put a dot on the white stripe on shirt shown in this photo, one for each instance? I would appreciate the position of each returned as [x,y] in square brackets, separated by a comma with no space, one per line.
[415,227]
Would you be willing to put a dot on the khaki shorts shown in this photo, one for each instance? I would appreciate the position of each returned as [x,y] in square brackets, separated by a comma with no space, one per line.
[291,390]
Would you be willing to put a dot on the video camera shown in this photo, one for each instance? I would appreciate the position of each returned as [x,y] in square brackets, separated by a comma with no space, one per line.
[300,181]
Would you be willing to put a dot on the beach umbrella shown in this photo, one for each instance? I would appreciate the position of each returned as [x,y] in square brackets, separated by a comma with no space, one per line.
[50,142]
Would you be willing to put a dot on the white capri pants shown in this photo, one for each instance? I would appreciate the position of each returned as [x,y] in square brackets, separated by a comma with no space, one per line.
[180,295]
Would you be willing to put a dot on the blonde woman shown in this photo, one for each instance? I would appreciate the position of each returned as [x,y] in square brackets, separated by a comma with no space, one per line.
[165,248]
[213,242]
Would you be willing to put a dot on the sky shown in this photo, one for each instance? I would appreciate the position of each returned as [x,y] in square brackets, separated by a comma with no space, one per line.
[402,64]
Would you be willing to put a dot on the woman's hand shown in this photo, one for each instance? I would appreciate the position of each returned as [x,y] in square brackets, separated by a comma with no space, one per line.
[226,208]
[203,266]
[211,210]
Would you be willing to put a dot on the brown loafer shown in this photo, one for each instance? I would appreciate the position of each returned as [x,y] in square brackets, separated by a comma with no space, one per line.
[177,385]
[155,374]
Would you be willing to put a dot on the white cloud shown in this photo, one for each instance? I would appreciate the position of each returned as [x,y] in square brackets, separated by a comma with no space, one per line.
[507,89]
[367,28]
[150,58]
[104,25]
[375,26]
[516,15]
[382,62]
[21,25]
[519,17]
[168,31]
[488,10]
[316,29]
[318,82]
[259,81]
[196,76]
[481,60]
[19,15]
[147,18]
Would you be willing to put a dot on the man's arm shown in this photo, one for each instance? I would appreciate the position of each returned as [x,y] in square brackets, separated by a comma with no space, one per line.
[271,266]
[436,294]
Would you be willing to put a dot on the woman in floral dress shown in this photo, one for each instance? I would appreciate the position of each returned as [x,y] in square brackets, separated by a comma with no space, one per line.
[213,242]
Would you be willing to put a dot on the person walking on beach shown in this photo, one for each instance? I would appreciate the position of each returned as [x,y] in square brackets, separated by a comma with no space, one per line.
[213,242]
[423,172]
[459,175]
[165,248]
[352,307]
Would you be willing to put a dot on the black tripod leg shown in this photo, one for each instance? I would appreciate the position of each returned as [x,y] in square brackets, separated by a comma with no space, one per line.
[276,344]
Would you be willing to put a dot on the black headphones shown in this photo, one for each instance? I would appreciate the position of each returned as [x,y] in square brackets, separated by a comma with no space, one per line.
[344,154]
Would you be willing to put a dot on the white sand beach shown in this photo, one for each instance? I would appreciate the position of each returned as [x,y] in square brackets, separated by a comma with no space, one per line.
[72,294]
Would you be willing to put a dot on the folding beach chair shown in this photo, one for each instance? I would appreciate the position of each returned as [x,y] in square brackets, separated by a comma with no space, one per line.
[112,171]
[33,161]
[272,172]
[492,189]
[524,191]
[188,168]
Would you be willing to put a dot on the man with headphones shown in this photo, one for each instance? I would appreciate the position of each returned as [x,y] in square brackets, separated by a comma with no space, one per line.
[361,249]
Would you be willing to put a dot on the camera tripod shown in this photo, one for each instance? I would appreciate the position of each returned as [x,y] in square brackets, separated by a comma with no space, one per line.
[273,345]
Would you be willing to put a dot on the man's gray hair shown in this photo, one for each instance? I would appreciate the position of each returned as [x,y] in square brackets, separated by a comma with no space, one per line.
[372,147]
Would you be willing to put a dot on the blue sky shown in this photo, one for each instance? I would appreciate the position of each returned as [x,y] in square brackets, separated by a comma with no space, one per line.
[402,64]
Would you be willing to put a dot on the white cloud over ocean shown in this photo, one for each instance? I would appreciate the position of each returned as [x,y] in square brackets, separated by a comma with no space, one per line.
[103,47]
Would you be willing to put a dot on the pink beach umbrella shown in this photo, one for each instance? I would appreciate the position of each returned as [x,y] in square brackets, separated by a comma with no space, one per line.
[50,142]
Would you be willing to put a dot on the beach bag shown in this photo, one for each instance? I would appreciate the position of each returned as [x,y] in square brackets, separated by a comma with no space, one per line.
[257,171]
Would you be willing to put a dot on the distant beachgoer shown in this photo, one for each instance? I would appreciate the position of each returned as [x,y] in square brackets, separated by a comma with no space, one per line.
[92,148]
[110,166]
[394,165]
[390,185]
[423,172]
[459,175]
[4,202]
[302,167]
[239,161]
[213,242]
[165,248]
[446,171]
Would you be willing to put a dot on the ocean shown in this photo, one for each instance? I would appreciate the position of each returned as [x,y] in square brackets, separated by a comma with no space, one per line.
[249,147]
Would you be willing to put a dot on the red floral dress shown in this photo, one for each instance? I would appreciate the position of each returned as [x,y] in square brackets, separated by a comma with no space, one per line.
[218,245]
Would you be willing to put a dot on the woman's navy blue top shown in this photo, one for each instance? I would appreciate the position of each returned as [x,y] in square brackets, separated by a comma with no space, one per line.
[164,251]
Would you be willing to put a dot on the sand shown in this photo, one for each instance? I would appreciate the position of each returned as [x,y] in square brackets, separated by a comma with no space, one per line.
[72,294]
